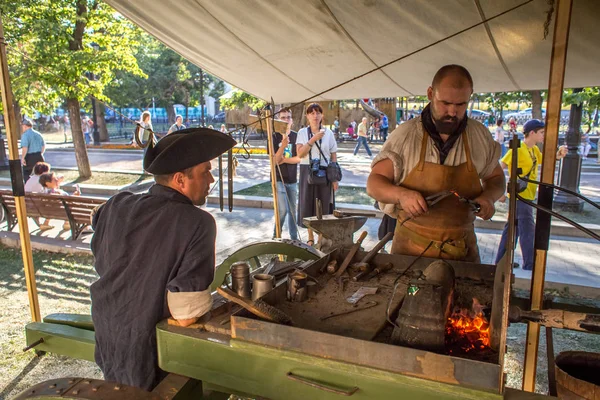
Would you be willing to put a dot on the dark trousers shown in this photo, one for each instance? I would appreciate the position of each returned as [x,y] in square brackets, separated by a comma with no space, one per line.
[30,160]
[525,227]
[383,132]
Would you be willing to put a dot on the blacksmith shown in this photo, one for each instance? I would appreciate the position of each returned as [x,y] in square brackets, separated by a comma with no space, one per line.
[439,151]
[155,254]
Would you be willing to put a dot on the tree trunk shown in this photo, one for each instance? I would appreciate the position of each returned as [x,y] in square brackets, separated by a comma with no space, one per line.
[171,114]
[536,104]
[102,130]
[81,155]
[18,118]
[471,107]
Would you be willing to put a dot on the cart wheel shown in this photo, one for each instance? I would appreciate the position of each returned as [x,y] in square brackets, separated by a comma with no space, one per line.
[290,249]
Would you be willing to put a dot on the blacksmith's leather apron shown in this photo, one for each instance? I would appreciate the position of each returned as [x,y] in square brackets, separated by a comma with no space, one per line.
[449,223]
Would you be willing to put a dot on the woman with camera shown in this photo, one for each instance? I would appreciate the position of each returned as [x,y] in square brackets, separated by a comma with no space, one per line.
[319,170]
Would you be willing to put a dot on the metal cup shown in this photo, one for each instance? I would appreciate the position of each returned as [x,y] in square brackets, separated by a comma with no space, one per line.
[297,290]
[240,278]
[261,284]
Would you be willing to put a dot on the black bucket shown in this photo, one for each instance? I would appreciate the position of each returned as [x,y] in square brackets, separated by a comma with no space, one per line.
[578,375]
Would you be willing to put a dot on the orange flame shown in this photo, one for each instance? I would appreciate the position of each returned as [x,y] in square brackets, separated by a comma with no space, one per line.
[469,328]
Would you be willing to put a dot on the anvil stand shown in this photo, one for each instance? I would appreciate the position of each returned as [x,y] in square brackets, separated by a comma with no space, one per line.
[334,232]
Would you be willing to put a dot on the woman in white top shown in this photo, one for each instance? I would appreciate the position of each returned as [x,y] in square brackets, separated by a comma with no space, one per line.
[310,139]
[146,123]
[500,134]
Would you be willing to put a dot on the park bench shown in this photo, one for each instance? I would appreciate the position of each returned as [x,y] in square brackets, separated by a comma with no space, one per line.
[74,209]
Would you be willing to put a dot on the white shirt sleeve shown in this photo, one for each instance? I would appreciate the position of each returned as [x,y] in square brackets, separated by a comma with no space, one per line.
[302,137]
[187,305]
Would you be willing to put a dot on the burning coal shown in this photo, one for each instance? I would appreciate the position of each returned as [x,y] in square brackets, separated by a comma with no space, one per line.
[468,330]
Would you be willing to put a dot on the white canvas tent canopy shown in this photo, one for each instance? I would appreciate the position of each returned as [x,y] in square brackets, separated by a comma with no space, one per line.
[292,50]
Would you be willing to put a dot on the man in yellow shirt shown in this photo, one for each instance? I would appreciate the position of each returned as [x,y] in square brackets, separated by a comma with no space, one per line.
[529,159]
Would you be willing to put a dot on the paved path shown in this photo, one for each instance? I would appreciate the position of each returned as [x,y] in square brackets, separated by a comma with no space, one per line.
[570,261]
[256,170]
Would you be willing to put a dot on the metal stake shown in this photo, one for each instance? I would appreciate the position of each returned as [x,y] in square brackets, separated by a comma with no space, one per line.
[269,121]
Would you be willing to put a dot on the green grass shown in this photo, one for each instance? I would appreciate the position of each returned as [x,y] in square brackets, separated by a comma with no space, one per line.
[63,282]
[345,194]
[97,178]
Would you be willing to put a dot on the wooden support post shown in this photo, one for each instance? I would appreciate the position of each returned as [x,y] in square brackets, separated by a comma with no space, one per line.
[273,166]
[542,232]
[11,126]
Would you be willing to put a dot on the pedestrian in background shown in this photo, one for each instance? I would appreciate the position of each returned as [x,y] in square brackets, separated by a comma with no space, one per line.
[287,160]
[362,137]
[316,147]
[512,125]
[177,126]
[146,124]
[383,127]
[33,147]
[529,157]
[86,128]
[499,135]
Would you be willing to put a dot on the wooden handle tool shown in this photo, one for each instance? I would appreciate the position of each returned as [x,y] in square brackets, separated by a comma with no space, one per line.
[351,254]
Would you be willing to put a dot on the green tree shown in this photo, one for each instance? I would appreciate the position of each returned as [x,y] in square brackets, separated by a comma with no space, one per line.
[65,43]
[168,79]
[239,99]
[589,99]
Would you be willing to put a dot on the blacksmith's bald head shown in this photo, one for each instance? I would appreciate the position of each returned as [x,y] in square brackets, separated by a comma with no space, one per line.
[458,77]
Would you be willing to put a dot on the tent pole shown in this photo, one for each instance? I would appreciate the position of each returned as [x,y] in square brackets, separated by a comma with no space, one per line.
[542,231]
[272,164]
[16,173]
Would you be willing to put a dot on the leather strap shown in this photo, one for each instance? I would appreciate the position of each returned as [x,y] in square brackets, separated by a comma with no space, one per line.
[467,151]
[458,252]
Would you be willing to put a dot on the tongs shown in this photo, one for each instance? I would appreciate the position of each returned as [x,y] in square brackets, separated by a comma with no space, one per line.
[436,198]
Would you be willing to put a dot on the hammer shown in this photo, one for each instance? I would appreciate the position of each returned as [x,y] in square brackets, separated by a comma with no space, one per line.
[342,214]
[364,263]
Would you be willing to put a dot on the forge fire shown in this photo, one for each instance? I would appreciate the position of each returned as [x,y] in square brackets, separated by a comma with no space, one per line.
[468,330]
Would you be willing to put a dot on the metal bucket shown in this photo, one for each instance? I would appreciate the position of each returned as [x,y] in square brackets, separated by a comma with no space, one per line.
[240,278]
[261,284]
[578,375]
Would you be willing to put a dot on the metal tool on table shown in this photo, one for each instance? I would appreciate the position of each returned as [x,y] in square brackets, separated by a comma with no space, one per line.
[379,270]
[262,284]
[475,206]
[364,263]
[220,161]
[297,290]
[342,214]
[436,198]
[355,247]
[368,305]
[257,307]
[230,179]
[319,208]
[240,278]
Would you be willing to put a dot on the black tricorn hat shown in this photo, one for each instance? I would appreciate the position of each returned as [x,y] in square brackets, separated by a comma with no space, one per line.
[184,149]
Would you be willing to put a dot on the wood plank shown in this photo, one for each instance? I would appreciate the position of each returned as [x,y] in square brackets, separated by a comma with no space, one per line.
[387,357]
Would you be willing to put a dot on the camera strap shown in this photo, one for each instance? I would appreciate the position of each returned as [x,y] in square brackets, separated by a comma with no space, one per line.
[310,135]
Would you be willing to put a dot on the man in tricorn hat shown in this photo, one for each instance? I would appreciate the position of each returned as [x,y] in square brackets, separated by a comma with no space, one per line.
[155,255]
